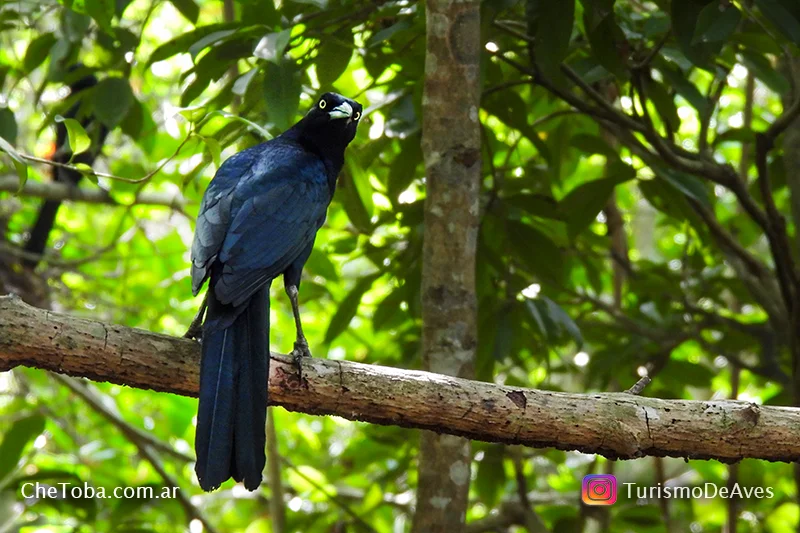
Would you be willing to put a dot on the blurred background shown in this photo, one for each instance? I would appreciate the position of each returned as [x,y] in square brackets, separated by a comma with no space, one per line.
[629,227]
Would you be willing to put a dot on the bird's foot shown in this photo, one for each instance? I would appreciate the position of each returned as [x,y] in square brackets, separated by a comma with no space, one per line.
[300,350]
[195,332]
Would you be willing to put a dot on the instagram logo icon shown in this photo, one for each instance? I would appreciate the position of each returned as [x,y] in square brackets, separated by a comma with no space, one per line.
[599,489]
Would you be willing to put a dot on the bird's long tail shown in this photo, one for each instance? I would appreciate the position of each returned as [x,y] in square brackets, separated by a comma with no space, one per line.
[232,414]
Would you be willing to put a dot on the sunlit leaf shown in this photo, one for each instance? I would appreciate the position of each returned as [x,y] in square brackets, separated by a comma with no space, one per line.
[187,8]
[334,56]
[16,440]
[8,125]
[272,45]
[37,51]
[282,92]
[79,140]
[348,307]
[113,99]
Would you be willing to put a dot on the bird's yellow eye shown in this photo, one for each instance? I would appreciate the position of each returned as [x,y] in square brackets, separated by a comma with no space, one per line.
[322,104]
[357,115]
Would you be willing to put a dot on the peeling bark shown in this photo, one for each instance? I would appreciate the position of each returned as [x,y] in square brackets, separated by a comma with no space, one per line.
[616,425]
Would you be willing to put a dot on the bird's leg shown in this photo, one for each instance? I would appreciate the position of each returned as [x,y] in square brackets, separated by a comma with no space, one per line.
[300,344]
[195,330]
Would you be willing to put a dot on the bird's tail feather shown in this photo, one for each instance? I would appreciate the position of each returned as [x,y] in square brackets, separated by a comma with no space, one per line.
[231,417]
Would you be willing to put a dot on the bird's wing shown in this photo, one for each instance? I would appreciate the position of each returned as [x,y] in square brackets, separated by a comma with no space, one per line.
[215,213]
[257,228]
[268,232]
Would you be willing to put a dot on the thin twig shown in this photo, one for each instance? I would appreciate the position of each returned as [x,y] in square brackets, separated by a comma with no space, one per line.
[99,174]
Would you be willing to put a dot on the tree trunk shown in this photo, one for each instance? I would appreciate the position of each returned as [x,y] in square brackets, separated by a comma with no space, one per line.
[791,161]
[451,148]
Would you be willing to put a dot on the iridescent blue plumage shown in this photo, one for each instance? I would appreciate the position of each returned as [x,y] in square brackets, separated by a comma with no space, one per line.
[258,219]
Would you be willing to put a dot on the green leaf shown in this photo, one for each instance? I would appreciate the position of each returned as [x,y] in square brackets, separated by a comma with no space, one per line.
[181,43]
[133,123]
[716,22]
[113,99]
[282,92]
[511,109]
[739,135]
[387,33]
[357,196]
[333,57]
[260,12]
[581,206]
[491,477]
[195,88]
[785,15]
[87,171]
[213,148]
[74,25]
[758,41]
[79,140]
[404,166]
[563,320]
[257,128]
[208,40]
[679,81]
[102,11]
[606,39]
[120,6]
[272,45]
[347,195]
[187,8]
[664,103]
[320,264]
[666,198]
[688,185]
[8,125]
[553,31]
[594,144]
[37,51]
[348,307]
[16,440]
[685,16]
[553,322]
[538,205]
[388,309]
[19,164]
[763,69]
[243,82]
[538,253]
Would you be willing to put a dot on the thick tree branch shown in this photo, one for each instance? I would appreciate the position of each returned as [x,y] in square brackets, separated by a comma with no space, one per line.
[615,425]
[63,191]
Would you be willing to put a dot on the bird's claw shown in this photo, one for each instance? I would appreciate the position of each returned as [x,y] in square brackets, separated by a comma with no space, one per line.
[300,350]
[194,332]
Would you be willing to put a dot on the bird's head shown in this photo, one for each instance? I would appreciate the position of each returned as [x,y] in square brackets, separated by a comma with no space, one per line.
[331,122]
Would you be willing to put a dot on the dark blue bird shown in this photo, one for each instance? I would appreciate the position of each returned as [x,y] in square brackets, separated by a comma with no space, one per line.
[258,220]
